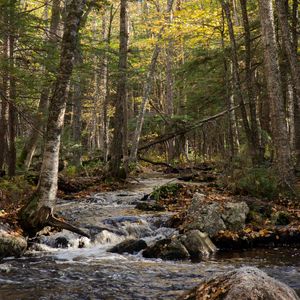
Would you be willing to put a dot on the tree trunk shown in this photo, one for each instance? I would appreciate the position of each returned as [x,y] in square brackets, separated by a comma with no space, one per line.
[39,120]
[258,155]
[38,212]
[5,97]
[147,92]
[170,91]
[294,69]
[12,93]
[119,147]
[237,91]
[283,163]
[233,139]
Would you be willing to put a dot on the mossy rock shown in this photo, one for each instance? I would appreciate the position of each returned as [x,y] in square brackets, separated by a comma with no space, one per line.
[12,245]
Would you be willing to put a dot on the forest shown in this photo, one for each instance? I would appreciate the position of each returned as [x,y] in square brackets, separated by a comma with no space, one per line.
[168,130]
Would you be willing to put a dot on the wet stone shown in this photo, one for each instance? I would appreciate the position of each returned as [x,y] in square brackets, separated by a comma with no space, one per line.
[245,283]
[168,249]
[130,246]
[61,242]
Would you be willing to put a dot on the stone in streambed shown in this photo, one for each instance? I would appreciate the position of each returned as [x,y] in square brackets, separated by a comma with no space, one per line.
[61,242]
[130,246]
[149,206]
[212,217]
[198,244]
[169,249]
[11,245]
[234,215]
[245,283]
[5,268]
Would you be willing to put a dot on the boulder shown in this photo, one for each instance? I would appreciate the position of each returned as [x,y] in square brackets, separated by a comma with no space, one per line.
[129,246]
[11,245]
[211,217]
[61,242]
[169,249]
[198,244]
[234,215]
[245,283]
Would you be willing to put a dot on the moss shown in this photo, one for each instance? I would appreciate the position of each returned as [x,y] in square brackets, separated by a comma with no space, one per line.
[166,191]
[26,213]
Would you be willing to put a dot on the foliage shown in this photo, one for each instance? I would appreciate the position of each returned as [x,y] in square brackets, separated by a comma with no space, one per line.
[14,189]
[257,181]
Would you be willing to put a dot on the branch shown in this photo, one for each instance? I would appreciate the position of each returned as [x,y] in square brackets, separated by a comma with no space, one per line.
[21,114]
[187,129]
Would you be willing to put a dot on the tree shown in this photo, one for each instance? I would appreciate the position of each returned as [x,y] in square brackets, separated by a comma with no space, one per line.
[252,137]
[147,91]
[294,70]
[282,163]
[119,142]
[51,41]
[39,210]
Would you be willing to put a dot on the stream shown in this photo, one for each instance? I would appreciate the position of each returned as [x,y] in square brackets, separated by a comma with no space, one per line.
[85,270]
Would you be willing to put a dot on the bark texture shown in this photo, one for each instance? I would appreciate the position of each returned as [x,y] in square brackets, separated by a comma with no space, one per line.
[277,114]
[294,70]
[119,143]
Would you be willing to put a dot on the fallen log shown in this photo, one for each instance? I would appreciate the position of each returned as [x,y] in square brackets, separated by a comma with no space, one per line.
[185,130]
[157,163]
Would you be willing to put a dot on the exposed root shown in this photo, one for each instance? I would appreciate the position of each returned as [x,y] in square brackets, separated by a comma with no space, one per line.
[52,221]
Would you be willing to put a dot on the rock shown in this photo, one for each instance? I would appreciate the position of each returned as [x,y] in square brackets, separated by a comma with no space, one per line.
[129,246]
[245,283]
[234,215]
[149,206]
[5,268]
[169,249]
[61,242]
[211,217]
[198,244]
[11,245]
[206,218]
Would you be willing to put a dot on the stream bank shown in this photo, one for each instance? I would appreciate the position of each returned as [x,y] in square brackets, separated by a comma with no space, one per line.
[86,270]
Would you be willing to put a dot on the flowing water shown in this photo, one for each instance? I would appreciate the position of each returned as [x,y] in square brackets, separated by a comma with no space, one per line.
[85,270]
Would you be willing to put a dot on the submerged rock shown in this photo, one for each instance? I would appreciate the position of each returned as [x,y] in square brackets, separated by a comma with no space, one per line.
[169,249]
[213,217]
[245,283]
[129,246]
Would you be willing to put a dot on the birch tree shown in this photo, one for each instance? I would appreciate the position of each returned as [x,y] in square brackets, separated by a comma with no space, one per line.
[39,210]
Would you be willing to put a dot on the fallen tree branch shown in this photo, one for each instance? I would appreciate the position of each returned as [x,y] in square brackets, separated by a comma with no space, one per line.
[53,221]
[157,163]
[187,129]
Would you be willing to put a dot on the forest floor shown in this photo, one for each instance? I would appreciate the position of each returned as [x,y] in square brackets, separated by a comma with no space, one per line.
[270,222]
